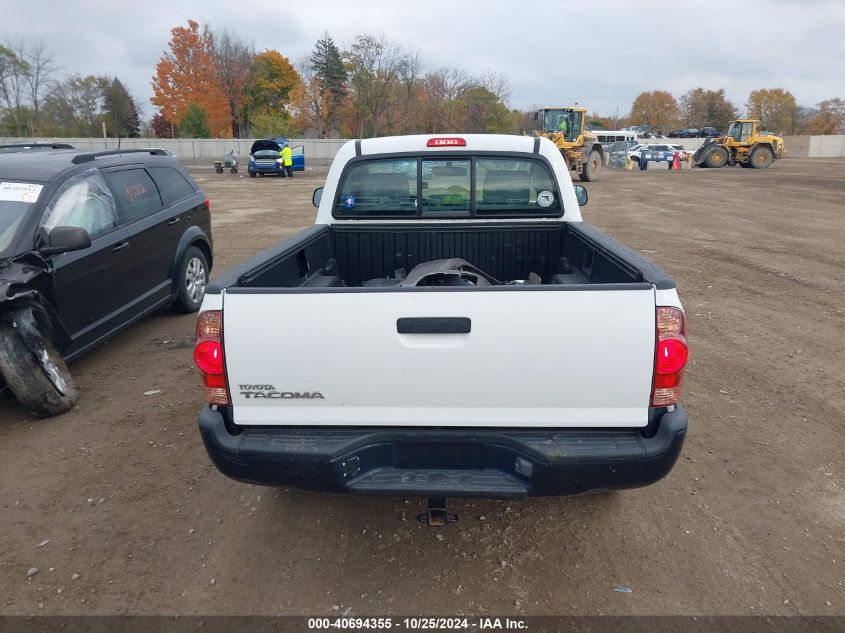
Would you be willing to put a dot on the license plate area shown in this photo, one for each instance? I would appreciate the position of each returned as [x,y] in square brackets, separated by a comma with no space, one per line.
[452,455]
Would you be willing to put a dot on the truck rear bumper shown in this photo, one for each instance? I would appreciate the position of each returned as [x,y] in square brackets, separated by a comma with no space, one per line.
[437,462]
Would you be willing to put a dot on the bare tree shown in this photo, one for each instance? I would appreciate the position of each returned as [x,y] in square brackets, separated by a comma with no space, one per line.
[311,102]
[376,65]
[13,83]
[442,90]
[409,76]
[75,104]
[41,66]
[232,60]
[497,83]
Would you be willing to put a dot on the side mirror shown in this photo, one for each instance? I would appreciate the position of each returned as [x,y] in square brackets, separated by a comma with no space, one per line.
[581,195]
[64,239]
[317,196]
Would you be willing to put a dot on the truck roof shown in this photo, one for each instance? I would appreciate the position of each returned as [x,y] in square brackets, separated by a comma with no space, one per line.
[474,143]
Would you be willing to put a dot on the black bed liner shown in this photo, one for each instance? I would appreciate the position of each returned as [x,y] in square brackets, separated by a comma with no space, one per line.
[326,258]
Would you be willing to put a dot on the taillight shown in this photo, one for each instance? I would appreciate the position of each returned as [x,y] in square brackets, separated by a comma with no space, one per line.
[451,141]
[208,356]
[207,204]
[670,357]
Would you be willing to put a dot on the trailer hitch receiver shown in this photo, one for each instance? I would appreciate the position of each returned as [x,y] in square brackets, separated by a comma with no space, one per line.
[437,515]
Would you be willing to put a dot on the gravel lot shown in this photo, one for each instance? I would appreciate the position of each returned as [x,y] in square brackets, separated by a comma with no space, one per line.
[118,507]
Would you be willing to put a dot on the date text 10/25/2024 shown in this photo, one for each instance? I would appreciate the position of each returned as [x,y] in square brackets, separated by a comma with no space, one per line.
[418,623]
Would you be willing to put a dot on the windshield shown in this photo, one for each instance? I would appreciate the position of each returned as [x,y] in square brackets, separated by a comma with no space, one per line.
[16,199]
[447,187]
[566,121]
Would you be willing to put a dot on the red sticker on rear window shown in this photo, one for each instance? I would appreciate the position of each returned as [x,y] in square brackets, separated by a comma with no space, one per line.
[133,192]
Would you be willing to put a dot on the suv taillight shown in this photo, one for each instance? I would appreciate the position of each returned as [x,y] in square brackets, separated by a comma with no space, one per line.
[670,357]
[208,356]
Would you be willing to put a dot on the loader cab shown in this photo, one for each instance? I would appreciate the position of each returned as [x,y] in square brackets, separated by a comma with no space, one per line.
[567,121]
[740,131]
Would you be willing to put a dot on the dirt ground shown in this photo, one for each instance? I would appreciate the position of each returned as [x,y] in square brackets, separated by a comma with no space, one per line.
[121,511]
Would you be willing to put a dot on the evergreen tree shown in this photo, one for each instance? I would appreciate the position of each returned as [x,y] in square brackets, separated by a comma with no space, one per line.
[327,66]
[119,110]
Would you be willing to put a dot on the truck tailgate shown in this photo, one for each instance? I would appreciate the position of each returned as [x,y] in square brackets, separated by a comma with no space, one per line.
[531,358]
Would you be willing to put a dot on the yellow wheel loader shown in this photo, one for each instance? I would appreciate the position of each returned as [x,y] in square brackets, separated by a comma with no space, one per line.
[581,150]
[743,145]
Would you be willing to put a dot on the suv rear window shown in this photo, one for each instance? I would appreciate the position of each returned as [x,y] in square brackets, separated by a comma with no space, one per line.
[136,193]
[447,187]
[172,185]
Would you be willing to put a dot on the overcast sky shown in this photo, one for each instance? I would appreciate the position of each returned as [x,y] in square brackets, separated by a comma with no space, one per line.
[600,53]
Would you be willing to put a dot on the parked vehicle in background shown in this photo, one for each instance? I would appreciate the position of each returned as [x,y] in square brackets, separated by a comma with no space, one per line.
[635,153]
[90,243]
[449,327]
[682,151]
[709,132]
[265,160]
[689,132]
[605,137]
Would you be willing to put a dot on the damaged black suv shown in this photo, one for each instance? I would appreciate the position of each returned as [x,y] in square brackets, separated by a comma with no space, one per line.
[90,243]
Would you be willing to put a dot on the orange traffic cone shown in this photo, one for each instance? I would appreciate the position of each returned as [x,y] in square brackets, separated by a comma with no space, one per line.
[676,161]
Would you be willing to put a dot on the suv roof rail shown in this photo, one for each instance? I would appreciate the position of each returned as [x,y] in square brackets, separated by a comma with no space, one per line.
[89,156]
[23,146]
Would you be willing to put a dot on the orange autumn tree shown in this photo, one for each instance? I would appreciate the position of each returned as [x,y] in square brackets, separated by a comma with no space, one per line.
[186,74]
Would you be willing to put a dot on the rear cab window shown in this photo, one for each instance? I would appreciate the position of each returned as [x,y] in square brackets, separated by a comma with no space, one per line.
[136,194]
[447,186]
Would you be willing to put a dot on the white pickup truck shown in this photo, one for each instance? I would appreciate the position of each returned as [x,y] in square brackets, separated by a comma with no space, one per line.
[449,327]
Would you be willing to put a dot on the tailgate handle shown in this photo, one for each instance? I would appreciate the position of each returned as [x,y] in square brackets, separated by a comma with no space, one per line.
[434,325]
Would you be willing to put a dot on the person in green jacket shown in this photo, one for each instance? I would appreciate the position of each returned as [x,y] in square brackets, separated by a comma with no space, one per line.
[287,160]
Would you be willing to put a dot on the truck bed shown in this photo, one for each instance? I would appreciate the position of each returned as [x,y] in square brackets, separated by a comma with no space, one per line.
[354,258]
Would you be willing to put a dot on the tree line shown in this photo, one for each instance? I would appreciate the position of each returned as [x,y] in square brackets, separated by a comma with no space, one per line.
[214,83]
[776,108]
[36,99]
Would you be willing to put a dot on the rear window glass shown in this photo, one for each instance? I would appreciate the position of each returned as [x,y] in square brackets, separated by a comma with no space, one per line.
[379,187]
[447,187]
[172,185]
[135,192]
[510,186]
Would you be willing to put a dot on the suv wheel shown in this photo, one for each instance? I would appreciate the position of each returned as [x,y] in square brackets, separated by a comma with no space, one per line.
[42,385]
[192,279]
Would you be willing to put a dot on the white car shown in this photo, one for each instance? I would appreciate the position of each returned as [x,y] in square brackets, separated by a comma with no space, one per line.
[449,327]
[636,152]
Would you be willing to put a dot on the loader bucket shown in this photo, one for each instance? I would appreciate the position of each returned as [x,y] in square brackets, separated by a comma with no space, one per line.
[701,152]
